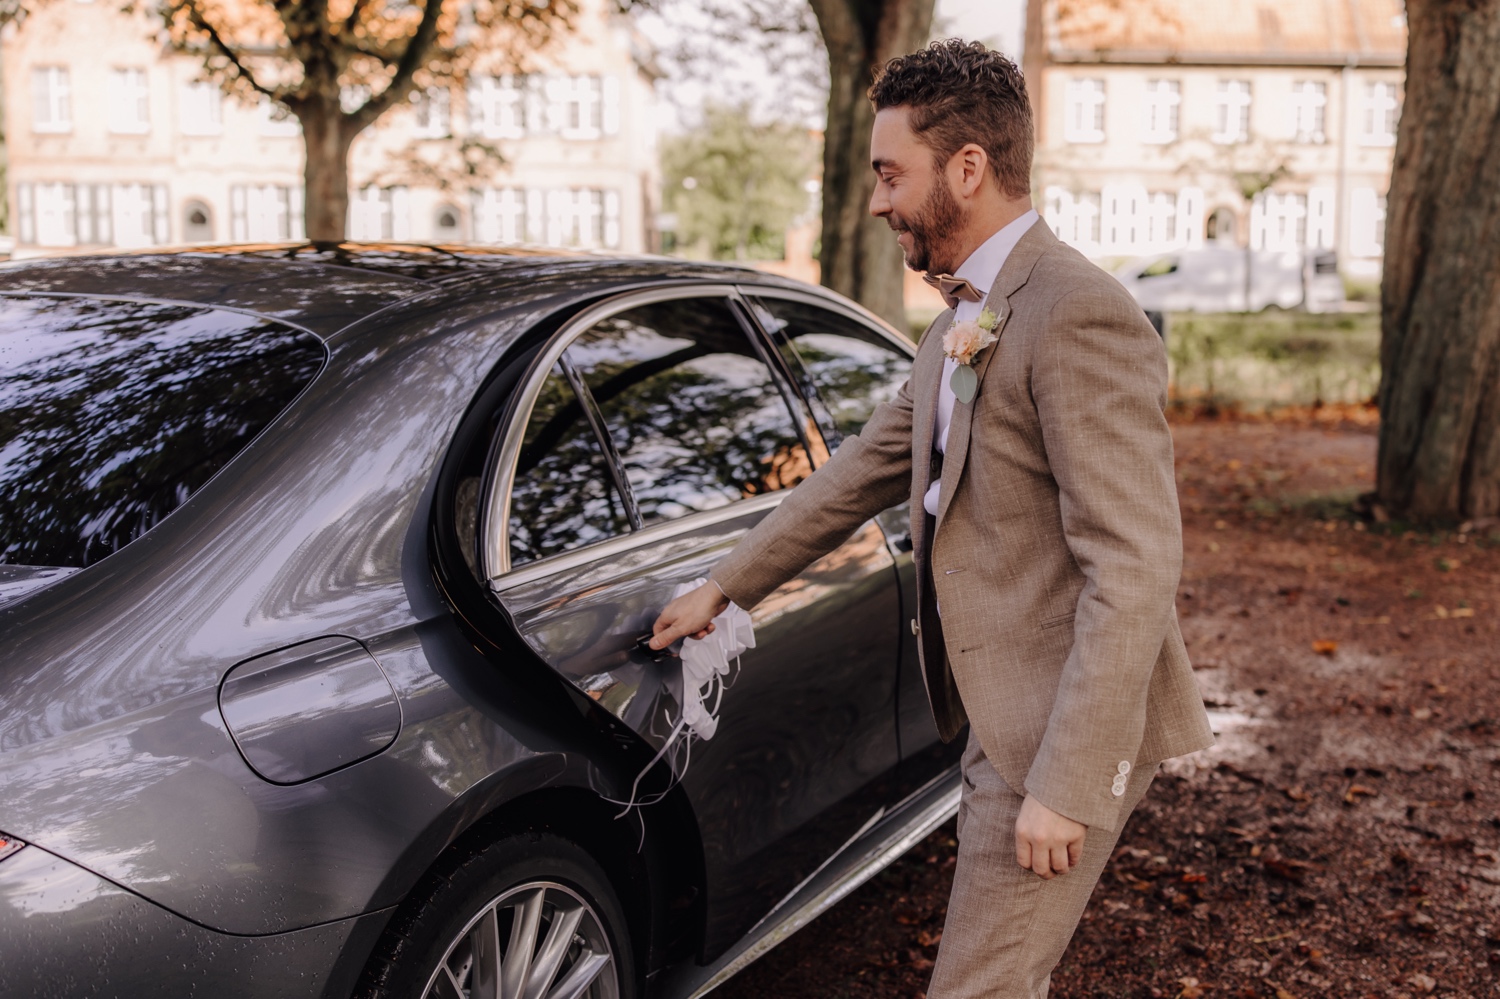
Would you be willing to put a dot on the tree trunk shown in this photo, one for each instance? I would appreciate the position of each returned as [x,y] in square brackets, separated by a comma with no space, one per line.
[1439,456]
[860,257]
[327,134]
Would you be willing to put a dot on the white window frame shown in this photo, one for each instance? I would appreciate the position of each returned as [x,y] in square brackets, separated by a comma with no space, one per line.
[432,113]
[498,106]
[200,109]
[1310,111]
[1075,217]
[1380,115]
[51,100]
[1232,112]
[499,215]
[380,214]
[1083,110]
[266,213]
[1161,112]
[1279,221]
[129,101]
[1367,218]
[1321,231]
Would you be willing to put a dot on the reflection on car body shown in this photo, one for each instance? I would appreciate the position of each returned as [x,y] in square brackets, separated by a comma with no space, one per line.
[323,570]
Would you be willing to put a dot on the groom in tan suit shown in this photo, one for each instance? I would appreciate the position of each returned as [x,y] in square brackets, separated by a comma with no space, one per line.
[1044,522]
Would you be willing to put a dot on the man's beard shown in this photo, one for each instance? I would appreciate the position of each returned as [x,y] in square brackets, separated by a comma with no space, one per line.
[932,229]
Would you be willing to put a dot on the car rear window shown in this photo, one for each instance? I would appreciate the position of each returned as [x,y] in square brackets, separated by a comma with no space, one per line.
[113,413]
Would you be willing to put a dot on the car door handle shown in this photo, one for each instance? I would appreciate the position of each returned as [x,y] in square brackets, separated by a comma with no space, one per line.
[643,645]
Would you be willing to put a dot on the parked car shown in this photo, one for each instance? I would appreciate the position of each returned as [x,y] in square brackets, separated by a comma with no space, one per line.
[1212,279]
[324,573]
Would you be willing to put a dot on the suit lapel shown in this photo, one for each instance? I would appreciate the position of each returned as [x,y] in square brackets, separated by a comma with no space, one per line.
[926,377]
[1012,277]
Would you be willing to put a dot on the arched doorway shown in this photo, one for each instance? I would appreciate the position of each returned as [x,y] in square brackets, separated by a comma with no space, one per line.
[197,223]
[448,224]
[1219,226]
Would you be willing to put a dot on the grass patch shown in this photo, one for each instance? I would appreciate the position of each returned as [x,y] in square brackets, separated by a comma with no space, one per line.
[1272,359]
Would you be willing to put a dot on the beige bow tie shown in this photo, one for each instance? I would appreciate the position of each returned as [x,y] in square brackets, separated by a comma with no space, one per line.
[953,289]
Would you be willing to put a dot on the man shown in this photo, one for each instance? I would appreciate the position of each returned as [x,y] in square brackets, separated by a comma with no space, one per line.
[1044,521]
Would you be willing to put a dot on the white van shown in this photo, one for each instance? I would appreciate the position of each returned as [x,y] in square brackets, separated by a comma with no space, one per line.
[1212,279]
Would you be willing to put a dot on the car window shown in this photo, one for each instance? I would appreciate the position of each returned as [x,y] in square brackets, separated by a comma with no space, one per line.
[693,411]
[846,369]
[562,496]
[113,413]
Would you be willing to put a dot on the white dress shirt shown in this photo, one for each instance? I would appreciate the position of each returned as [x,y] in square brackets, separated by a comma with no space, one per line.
[980,269]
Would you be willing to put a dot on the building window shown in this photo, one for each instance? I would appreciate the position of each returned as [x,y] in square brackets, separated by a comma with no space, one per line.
[1366,222]
[587,217]
[277,121]
[497,106]
[201,109]
[1320,230]
[499,215]
[1309,110]
[197,223]
[1163,104]
[265,213]
[575,106]
[127,215]
[52,100]
[1074,217]
[129,102]
[448,224]
[434,113]
[1232,112]
[1278,221]
[1382,111]
[1085,111]
[380,213]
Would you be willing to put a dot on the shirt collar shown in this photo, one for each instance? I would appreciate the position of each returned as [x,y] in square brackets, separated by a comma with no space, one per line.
[983,265]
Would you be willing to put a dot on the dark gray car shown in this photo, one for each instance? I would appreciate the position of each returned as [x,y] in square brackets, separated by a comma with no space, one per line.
[323,571]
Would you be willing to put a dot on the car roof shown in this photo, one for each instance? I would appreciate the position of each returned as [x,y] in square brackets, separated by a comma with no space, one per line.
[324,287]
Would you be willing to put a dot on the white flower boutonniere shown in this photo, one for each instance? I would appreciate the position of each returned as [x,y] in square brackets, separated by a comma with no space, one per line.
[963,342]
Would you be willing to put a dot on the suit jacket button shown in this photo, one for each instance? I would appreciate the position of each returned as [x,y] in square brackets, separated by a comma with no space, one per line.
[1124,767]
[1118,790]
[914,628]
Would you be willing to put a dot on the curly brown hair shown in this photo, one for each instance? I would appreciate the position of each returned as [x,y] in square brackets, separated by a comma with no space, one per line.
[961,92]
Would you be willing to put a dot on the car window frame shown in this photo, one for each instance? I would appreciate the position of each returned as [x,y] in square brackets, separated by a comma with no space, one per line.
[500,475]
[851,311]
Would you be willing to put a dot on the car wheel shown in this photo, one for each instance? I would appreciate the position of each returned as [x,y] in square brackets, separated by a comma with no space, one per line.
[529,917]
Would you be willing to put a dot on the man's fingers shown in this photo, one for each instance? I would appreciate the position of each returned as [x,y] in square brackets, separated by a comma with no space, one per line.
[1060,859]
[1023,851]
[1075,851]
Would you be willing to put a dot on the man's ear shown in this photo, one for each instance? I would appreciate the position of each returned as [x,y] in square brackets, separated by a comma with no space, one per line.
[970,166]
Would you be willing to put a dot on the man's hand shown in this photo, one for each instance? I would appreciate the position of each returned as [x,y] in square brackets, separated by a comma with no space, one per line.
[1046,842]
[691,614]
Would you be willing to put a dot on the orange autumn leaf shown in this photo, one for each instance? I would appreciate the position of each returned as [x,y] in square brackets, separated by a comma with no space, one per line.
[1325,647]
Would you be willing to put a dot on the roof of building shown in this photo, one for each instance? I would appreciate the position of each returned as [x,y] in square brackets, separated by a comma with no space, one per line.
[1223,32]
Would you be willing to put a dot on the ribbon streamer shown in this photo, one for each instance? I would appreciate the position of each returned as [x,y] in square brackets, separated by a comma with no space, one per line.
[705,666]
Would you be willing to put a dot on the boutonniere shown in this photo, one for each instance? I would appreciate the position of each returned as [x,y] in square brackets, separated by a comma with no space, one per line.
[963,342]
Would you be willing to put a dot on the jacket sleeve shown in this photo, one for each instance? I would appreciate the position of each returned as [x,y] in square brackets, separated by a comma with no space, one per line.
[1099,381]
[869,473]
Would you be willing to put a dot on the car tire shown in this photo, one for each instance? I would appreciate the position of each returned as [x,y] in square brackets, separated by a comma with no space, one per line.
[535,895]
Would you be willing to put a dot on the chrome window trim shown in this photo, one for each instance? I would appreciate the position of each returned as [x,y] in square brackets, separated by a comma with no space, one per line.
[622,543]
[847,309]
[495,515]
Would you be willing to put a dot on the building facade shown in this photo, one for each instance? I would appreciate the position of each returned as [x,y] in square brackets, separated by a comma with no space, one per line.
[114,141]
[1163,124]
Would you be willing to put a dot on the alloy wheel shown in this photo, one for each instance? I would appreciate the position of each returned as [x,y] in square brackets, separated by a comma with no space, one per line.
[540,940]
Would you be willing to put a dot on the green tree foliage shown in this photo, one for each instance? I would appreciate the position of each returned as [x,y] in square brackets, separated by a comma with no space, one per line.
[736,186]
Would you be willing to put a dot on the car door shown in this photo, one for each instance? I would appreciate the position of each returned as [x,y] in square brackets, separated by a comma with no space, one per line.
[653,435]
[846,365]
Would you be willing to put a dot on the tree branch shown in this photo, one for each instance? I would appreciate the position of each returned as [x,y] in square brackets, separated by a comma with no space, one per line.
[412,59]
[221,48]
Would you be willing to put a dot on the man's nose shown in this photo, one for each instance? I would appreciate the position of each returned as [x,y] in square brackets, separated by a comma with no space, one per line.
[880,203]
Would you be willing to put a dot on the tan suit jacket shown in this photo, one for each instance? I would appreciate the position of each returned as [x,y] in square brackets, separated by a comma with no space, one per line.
[1057,545]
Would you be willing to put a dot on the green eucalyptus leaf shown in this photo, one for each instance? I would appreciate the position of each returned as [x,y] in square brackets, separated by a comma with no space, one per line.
[964,382]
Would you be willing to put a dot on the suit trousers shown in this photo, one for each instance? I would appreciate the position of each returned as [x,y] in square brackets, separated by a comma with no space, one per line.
[1006,927]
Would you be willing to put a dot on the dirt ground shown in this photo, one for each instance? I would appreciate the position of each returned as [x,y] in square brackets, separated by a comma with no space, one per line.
[1343,837]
